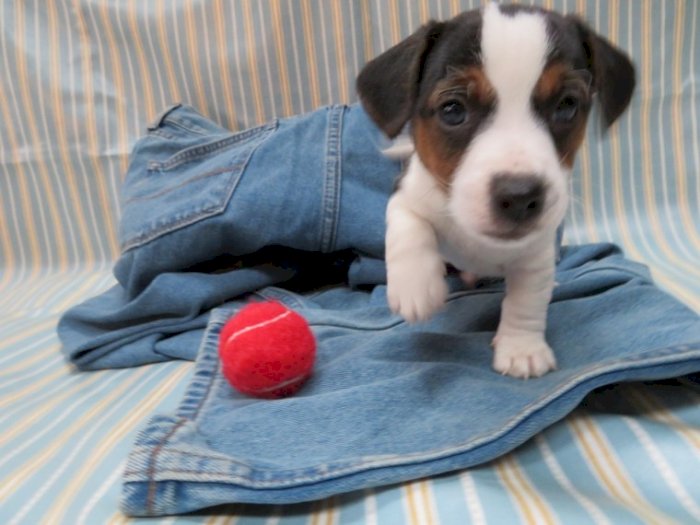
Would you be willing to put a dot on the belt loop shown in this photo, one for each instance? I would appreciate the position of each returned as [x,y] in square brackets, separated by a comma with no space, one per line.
[158,120]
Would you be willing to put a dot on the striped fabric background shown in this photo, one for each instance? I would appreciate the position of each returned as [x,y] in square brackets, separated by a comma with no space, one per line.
[79,80]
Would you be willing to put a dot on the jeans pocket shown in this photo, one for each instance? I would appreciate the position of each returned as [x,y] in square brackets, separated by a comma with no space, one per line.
[185,170]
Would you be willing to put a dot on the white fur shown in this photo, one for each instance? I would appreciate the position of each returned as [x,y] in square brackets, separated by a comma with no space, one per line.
[426,226]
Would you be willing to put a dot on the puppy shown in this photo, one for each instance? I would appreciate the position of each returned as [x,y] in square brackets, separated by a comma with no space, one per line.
[497,102]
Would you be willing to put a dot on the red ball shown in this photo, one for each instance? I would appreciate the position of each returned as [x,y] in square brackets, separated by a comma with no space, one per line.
[267,350]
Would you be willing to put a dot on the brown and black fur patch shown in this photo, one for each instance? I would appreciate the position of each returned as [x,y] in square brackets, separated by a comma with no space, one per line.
[560,84]
[441,146]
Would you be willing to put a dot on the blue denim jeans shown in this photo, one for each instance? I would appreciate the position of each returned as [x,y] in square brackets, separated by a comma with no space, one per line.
[294,211]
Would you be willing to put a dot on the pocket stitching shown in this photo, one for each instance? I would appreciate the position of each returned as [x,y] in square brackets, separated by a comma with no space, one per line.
[207,210]
[203,150]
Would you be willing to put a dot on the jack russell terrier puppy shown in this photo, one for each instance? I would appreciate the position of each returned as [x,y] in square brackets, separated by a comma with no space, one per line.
[497,101]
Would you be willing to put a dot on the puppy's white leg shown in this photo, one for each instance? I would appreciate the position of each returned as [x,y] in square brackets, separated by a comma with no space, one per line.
[520,349]
[416,286]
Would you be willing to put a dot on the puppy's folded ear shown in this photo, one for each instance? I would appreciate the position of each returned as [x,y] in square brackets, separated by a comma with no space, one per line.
[388,85]
[613,73]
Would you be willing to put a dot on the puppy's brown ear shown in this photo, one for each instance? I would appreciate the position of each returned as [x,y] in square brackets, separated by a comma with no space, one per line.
[388,85]
[613,73]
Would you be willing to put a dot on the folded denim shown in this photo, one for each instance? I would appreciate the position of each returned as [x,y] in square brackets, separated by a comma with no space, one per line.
[293,211]
[209,215]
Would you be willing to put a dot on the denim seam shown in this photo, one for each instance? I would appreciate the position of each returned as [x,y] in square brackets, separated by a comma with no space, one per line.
[381,461]
[153,484]
[661,358]
[206,211]
[330,207]
[187,414]
[174,121]
[197,152]
[165,191]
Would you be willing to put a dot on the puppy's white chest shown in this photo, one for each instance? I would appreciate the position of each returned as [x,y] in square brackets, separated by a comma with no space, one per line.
[467,255]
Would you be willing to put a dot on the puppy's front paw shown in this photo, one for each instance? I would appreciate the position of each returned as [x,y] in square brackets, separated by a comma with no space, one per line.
[522,356]
[416,288]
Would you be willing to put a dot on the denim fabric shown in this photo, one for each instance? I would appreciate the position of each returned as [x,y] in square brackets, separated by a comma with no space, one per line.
[391,402]
[294,211]
[209,215]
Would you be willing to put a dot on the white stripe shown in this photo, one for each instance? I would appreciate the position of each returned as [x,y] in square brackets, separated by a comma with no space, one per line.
[256,326]
[370,501]
[102,248]
[95,426]
[553,465]
[266,60]
[694,121]
[471,498]
[155,60]
[242,100]
[98,495]
[65,207]
[32,372]
[30,171]
[295,54]
[175,31]
[58,417]
[662,467]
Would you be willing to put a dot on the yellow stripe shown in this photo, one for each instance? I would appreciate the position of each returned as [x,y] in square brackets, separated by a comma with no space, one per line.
[86,246]
[15,480]
[280,39]
[424,11]
[679,290]
[193,53]
[9,400]
[503,469]
[9,257]
[341,54]
[426,496]
[653,408]
[532,494]
[395,21]
[249,29]
[36,414]
[620,488]
[311,59]
[121,429]
[106,29]
[224,66]
[166,52]
[98,178]
[679,141]
[36,358]
[25,335]
[617,177]
[31,121]
[27,286]
[412,507]
[367,30]
[649,186]
[51,284]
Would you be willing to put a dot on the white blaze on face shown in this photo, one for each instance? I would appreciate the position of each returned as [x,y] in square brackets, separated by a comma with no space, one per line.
[514,50]
[513,53]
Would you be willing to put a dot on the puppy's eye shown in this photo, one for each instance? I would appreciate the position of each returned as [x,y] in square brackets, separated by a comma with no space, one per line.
[566,110]
[453,113]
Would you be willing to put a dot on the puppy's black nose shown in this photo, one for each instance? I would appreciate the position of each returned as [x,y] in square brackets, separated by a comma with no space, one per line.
[517,198]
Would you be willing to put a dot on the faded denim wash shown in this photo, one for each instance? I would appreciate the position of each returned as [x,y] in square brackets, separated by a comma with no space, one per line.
[294,211]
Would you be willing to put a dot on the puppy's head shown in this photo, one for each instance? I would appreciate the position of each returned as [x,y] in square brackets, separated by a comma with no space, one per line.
[498,101]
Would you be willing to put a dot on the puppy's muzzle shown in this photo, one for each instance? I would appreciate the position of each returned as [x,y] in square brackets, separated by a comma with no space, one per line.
[517,201]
